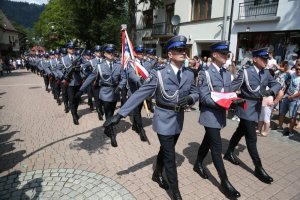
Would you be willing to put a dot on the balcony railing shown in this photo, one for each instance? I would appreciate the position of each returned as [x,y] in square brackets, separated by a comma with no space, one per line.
[254,9]
[162,29]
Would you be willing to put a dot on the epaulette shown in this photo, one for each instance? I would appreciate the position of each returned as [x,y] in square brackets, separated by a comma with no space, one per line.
[245,67]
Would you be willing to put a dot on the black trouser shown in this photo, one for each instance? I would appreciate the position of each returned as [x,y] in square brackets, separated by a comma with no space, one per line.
[46,81]
[64,93]
[73,103]
[123,95]
[57,88]
[52,85]
[90,95]
[97,102]
[137,116]
[248,129]
[109,109]
[166,157]
[212,140]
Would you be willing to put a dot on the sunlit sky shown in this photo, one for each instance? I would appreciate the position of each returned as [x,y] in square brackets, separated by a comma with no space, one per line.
[33,1]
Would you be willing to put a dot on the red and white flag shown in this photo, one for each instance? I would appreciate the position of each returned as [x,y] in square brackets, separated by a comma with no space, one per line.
[224,99]
[128,56]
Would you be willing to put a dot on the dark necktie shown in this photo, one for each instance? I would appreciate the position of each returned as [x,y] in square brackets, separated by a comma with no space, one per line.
[260,73]
[72,59]
[221,72]
[179,76]
[110,66]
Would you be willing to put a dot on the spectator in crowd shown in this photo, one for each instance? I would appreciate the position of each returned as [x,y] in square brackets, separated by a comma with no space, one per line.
[292,61]
[272,63]
[209,62]
[197,62]
[283,77]
[265,116]
[204,65]
[290,102]
[18,63]
[229,60]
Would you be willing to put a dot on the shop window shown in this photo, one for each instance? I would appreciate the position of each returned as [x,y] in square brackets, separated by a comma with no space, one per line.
[201,9]
[148,18]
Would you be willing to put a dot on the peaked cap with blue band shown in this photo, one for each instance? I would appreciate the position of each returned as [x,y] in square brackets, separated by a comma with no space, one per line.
[88,52]
[63,50]
[77,52]
[97,48]
[70,45]
[222,47]
[57,51]
[51,52]
[178,41]
[109,48]
[263,53]
[139,48]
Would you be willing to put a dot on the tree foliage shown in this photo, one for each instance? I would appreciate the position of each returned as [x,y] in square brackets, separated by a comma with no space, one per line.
[89,22]
[22,13]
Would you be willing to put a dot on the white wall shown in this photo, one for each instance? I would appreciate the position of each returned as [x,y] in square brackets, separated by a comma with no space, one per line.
[288,11]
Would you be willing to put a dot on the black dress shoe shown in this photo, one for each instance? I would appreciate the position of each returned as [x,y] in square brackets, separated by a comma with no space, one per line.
[231,158]
[198,168]
[58,101]
[229,190]
[143,135]
[176,195]
[75,120]
[113,140]
[100,114]
[262,175]
[106,132]
[66,108]
[134,128]
[158,178]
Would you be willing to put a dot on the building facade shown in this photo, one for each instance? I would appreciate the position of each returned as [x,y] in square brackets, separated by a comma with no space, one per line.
[9,39]
[202,22]
[265,23]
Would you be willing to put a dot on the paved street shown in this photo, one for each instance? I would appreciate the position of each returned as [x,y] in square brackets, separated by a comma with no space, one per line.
[44,156]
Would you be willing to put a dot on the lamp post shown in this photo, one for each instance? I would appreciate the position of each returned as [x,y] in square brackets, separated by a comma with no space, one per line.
[52,25]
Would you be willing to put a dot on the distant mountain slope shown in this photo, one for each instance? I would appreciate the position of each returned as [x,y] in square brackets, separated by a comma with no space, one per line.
[22,13]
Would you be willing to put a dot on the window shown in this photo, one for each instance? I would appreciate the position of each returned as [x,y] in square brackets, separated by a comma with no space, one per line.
[148,18]
[201,9]
[258,2]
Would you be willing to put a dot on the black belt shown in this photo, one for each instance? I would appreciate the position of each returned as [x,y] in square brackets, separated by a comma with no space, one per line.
[175,108]
[107,85]
[252,98]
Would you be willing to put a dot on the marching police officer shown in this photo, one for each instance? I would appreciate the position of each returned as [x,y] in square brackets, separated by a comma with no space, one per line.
[111,78]
[213,117]
[61,70]
[150,53]
[44,68]
[252,81]
[173,87]
[134,82]
[95,86]
[57,85]
[72,79]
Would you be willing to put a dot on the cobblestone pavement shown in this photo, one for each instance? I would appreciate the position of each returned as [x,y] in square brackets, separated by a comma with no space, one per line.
[43,155]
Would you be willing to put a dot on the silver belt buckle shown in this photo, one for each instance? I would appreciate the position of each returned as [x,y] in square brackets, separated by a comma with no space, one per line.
[177,108]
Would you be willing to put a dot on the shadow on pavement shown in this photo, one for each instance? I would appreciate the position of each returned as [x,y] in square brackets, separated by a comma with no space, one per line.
[8,156]
[191,153]
[149,161]
[14,189]
[35,87]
